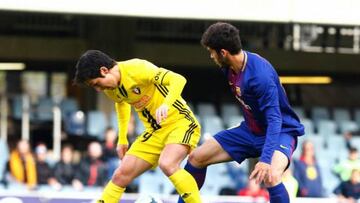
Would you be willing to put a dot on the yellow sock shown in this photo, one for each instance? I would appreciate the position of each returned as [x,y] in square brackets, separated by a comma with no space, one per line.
[186,186]
[111,193]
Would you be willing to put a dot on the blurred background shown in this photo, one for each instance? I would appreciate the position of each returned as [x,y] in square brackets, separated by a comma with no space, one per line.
[52,132]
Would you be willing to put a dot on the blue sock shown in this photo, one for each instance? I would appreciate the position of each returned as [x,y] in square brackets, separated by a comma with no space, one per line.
[198,174]
[279,194]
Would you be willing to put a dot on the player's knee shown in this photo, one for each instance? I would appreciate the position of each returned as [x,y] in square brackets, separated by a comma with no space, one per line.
[276,178]
[167,167]
[197,160]
[122,176]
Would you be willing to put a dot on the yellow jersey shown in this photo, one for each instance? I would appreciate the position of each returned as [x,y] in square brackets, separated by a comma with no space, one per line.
[145,87]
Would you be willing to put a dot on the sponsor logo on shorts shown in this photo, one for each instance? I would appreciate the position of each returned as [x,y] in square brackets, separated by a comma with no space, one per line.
[283,147]
[185,195]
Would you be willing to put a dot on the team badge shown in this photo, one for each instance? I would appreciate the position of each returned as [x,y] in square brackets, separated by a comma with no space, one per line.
[238,91]
[136,90]
[238,97]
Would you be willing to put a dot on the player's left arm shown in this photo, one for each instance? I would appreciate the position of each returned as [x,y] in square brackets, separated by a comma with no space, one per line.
[123,111]
[173,84]
[268,99]
[173,81]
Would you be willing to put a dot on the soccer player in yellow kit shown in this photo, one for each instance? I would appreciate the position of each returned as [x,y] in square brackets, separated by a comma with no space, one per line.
[171,129]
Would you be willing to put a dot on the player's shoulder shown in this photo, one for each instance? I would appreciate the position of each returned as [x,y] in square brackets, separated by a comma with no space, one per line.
[256,58]
[136,66]
[258,64]
[133,62]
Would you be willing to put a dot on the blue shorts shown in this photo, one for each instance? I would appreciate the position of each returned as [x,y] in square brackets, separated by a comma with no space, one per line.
[241,144]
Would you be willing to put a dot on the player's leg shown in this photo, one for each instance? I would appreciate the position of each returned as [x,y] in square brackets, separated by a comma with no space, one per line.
[277,190]
[143,154]
[169,162]
[208,153]
[227,145]
[130,168]
[279,163]
[181,139]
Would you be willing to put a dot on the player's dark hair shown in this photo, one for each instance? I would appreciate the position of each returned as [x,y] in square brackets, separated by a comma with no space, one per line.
[353,149]
[222,36]
[89,64]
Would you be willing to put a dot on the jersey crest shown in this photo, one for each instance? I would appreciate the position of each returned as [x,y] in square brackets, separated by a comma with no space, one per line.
[238,91]
[136,90]
[238,97]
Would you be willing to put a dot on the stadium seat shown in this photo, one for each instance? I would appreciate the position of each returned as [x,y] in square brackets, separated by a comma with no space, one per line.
[355,141]
[326,127]
[211,125]
[191,107]
[68,106]
[340,115]
[318,141]
[206,109]
[219,179]
[330,181]
[238,173]
[74,123]
[308,125]
[229,110]
[45,109]
[234,121]
[348,126]
[197,118]
[336,142]
[335,148]
[151,182]
[357,116]
[300,112]
[17,107]
[4,151]
[319,113]
[96,124]
[113,121]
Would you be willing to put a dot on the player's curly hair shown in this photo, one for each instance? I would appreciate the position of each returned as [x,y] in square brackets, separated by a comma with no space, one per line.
[89,64]
[222,35]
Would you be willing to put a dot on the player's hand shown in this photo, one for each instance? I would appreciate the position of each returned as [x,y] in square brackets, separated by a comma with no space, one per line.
[261,172]
[161,113]
[121,150]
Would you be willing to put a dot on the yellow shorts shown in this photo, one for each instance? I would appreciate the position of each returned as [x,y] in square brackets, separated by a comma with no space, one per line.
[150,143]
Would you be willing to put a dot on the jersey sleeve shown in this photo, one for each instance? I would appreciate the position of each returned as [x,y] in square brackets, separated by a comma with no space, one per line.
[152,74]
[123,111]
[173,81]
[265,89]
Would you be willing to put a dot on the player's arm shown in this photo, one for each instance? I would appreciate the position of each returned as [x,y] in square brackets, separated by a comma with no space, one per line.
[175,84]
[170,83]
[265,89]
[123,111]
[273,117]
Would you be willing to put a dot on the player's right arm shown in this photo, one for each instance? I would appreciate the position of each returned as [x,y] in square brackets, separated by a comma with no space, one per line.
[170,84]
[264,87]
[123,112]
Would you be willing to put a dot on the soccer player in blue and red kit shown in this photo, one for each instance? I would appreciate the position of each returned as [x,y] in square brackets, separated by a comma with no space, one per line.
[271,128]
